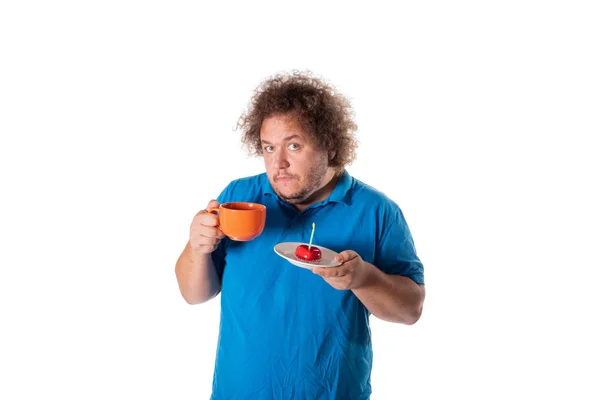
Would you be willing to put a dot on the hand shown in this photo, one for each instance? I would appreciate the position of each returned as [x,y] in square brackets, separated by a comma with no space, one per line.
[204,234]
[350,275]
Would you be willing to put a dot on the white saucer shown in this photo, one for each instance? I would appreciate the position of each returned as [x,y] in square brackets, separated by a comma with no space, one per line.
[287,250]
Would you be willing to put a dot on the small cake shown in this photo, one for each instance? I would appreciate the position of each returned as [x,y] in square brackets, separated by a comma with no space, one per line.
[308,253]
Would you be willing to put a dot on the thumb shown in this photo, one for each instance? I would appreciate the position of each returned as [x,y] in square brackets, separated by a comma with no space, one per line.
[345,256]
[212,203]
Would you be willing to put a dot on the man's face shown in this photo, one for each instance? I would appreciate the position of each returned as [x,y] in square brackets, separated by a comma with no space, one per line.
[295,166]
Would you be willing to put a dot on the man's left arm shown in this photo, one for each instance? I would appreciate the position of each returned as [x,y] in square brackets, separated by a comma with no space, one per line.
[392,298]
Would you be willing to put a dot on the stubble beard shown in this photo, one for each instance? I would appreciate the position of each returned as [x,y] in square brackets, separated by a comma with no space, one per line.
[313,182]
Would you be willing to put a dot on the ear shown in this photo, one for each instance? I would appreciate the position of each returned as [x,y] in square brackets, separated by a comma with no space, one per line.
[332,154]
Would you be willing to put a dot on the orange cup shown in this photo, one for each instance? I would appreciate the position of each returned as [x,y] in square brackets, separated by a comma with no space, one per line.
[241,221]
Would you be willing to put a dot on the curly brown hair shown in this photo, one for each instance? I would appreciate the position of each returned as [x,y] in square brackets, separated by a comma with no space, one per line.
[325,115]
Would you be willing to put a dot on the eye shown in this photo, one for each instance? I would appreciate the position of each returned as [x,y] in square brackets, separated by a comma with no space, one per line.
[268,149]
[294,146]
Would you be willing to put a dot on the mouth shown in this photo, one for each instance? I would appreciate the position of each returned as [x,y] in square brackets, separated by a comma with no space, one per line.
[283,178]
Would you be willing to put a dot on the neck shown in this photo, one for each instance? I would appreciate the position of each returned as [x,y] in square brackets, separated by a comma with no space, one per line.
[321,194]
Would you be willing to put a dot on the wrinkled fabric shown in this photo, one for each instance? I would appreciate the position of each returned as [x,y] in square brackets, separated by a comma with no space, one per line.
[284,332]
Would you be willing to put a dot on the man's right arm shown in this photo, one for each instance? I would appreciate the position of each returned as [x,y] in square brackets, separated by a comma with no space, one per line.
[196,275]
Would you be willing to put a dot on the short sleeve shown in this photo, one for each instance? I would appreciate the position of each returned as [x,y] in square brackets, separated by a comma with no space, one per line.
[396,253]
[218,256]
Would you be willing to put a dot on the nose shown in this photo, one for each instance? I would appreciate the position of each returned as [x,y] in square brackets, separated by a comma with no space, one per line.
[280,160]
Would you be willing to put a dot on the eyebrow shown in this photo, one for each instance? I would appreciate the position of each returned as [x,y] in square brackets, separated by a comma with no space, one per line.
[284,139]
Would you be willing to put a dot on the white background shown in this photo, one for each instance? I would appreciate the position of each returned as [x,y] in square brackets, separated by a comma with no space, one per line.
[116,122]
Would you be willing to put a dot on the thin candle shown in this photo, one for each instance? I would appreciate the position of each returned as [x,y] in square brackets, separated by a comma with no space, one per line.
[311,236]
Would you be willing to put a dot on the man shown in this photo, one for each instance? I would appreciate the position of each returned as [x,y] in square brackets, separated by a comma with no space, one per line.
[288,332]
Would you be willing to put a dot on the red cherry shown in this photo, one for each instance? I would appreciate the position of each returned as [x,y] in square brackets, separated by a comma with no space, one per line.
[304,253]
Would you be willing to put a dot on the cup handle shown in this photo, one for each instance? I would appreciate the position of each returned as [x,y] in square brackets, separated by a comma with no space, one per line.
[215,210]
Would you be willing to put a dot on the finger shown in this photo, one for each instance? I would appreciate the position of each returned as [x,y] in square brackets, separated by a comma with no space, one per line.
[207,219]
[207,231]
[331,272]
[213,203]
[206,241]
[203,242]
[204,249]
[345,256]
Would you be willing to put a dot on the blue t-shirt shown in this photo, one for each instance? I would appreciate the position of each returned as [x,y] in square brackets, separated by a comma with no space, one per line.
[284,332]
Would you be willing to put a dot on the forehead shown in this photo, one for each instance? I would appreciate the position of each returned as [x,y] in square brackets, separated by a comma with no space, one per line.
[278,127]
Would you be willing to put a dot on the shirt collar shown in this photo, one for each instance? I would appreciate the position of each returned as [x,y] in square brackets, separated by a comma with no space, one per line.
[340,193]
